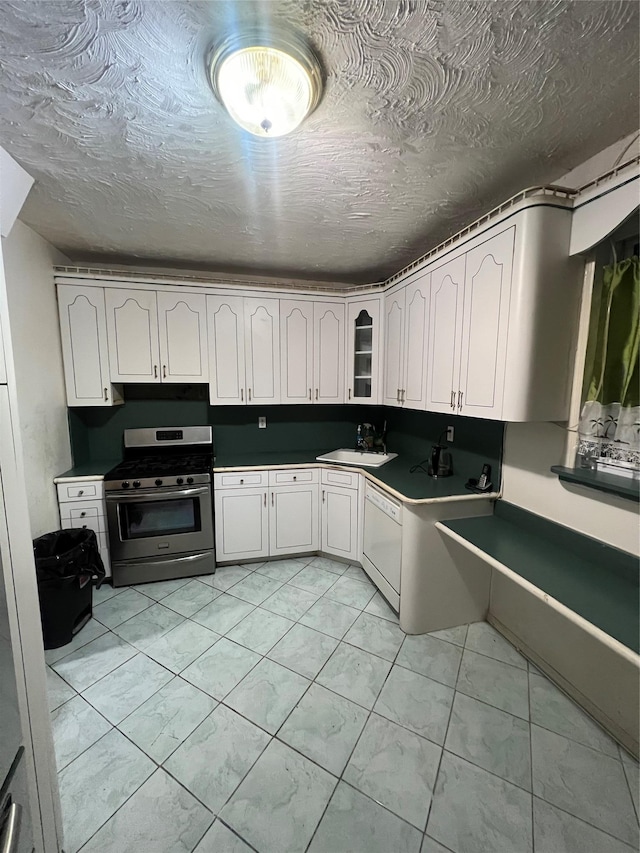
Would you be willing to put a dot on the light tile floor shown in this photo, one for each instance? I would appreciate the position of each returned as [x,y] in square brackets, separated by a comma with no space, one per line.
[279,707]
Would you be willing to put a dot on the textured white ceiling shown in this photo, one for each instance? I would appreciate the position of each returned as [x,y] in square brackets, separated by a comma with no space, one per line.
[433,113]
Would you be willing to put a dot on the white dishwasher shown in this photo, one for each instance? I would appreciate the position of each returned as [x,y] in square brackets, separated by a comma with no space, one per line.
[382,547]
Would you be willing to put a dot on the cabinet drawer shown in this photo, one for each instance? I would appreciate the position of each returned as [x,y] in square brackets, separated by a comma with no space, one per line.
[295,475]
[240,478]
[96,523]
[79,510]
[80,491]
[334,477]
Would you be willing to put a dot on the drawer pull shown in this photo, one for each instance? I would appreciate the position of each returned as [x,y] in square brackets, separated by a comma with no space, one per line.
[81,492]
[295,478]
[82,514]
[241,482]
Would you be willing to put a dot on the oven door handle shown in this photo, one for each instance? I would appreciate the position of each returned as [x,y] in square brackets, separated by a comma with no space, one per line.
[138,497]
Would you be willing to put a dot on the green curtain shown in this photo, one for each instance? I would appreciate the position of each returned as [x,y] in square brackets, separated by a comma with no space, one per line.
[613,371]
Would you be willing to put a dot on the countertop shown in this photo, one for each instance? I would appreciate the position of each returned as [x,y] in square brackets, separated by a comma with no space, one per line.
[394,476]
[89,471]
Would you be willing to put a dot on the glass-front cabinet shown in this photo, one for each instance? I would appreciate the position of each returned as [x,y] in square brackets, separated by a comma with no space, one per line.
[363,351]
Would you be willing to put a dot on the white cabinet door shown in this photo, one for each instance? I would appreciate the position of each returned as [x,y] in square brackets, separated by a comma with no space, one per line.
[484,330]
[293,519]
[225,335]
[242,524]
[393,349]
[132,334]
[445,330]
[328,352]
[182,322]
[262,351]
[363,351]
[296,346]
[83,329]
[339,522]
[415,342]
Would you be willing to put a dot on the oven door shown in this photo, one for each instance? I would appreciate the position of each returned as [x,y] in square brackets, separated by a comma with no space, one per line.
[157,522]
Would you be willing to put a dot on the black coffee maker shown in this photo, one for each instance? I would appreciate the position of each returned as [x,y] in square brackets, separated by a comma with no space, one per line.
[440,463]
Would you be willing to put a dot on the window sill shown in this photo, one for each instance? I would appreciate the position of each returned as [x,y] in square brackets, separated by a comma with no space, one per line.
[623,487]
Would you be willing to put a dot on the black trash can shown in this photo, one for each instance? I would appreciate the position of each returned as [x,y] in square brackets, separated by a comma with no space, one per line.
[68,565]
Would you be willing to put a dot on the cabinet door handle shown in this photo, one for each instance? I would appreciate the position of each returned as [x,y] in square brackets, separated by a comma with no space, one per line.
[397,395]
[403,392]
[242,395]
[459,399]
[316,393]
[271,498]
[106,395]
[453,399]
[309,393]
[323,496]
[265,498]
[349,393]
[155,371]
[164,371]
[249,394]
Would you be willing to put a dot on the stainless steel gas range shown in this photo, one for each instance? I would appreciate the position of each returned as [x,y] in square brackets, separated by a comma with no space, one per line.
[159,505]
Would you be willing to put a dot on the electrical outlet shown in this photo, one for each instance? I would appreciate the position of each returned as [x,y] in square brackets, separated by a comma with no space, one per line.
[262,423]
[450,433]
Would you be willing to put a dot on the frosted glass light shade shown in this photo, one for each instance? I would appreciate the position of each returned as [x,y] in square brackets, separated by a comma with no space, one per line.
[268,89]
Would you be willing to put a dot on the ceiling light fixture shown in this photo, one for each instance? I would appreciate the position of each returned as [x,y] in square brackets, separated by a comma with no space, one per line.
[268,84]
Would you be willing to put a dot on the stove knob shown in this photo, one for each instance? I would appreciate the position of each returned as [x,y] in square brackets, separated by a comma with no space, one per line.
[158,482]
[189,480]
[136,484]
[179,481]
[125,485]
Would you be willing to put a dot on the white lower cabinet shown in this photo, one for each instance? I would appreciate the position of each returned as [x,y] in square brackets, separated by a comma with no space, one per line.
[293,519]
[340,528]
[81,504]
[265,513]
[242,523]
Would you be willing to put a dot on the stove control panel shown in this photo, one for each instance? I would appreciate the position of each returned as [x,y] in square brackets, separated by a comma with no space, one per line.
[152,482]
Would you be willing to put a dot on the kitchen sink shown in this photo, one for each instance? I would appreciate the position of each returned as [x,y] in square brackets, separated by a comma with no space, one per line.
[361,458]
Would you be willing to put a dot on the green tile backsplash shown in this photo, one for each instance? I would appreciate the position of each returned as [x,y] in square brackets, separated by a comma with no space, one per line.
[96,433]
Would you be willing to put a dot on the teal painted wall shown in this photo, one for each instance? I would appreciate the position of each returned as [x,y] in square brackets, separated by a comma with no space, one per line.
[96,433]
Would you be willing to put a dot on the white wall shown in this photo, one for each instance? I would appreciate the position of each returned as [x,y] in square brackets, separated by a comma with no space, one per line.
[532,448]
[33,319]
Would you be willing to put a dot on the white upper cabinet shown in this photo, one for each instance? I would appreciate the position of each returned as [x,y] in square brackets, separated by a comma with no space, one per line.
[83,329]
[156,337]
[469,323]
[485,325]
[328,349]
[415,342]
[296,344]
[225,327]
[445,330]
[394,307]
[182,325]
[262,350]
[363,351]
[132,333]
[244,350]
